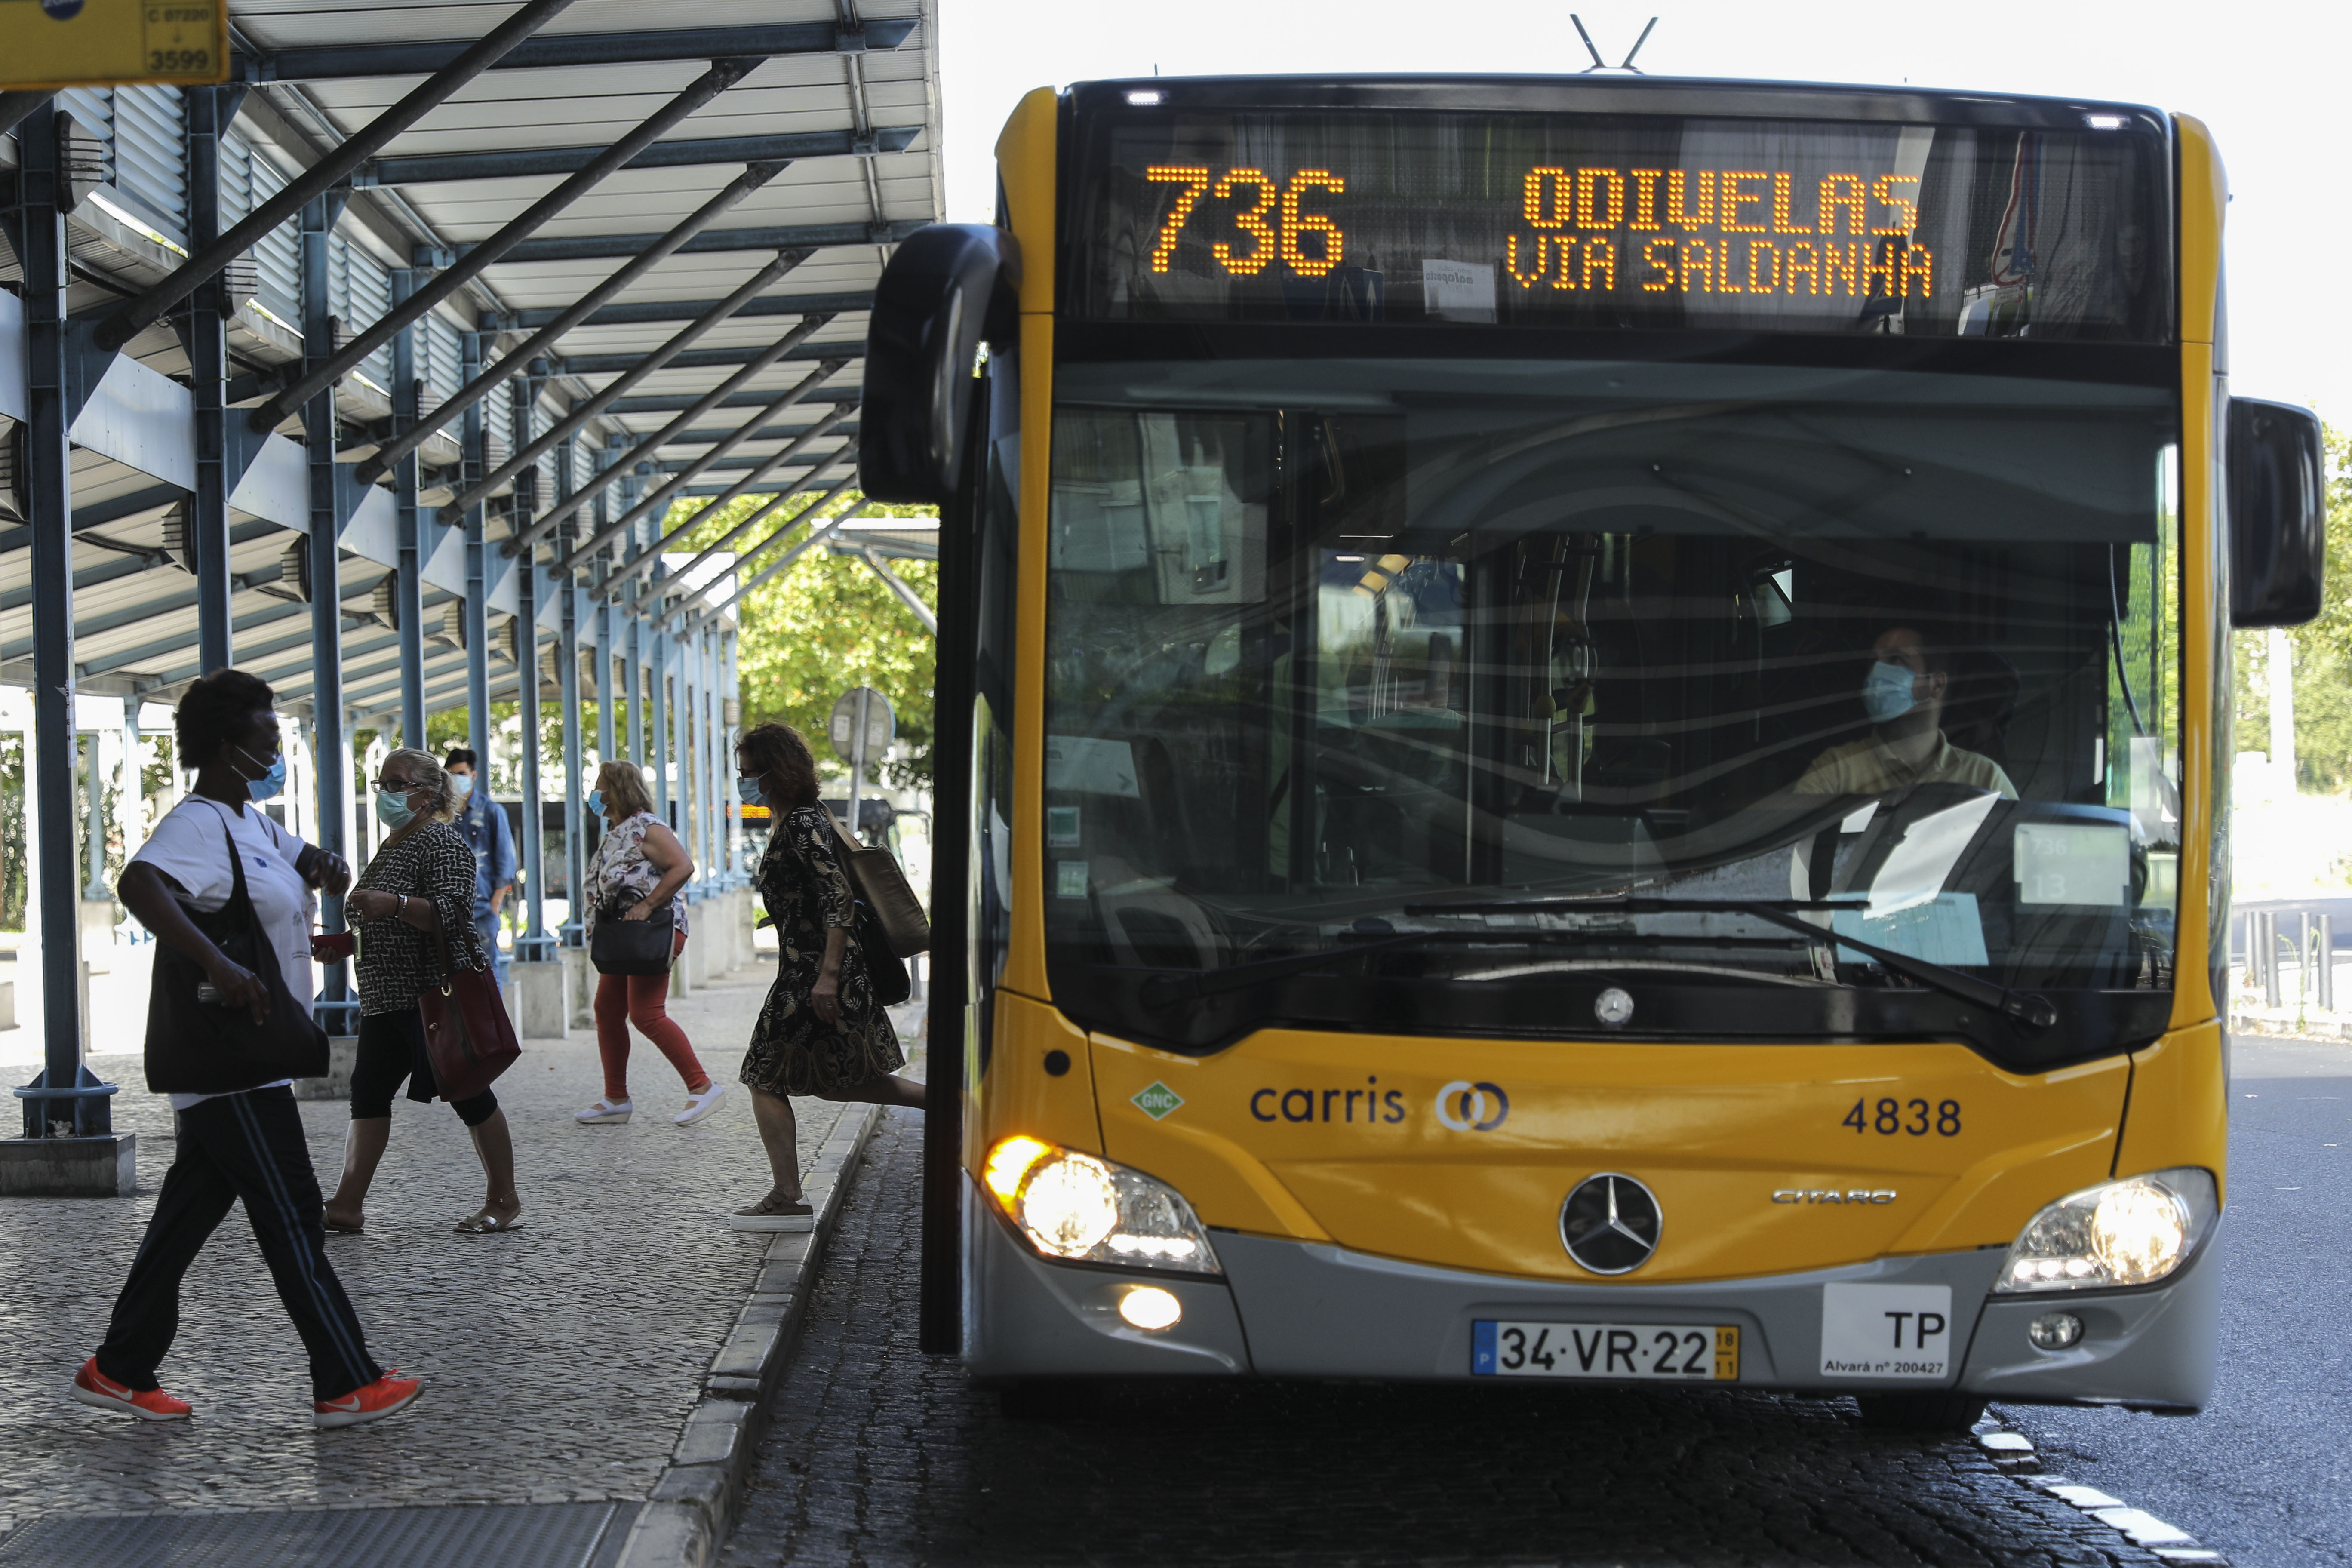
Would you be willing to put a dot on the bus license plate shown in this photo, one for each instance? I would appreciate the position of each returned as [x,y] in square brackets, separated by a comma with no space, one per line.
[1679,1352]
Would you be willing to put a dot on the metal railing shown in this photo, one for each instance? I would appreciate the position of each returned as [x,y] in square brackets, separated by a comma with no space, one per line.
[2289,956]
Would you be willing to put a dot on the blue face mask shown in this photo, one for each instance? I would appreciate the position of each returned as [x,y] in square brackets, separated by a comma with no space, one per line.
[1886,694]
[595,802]
[750,792]
[463,783]
[272,780]
[392,810]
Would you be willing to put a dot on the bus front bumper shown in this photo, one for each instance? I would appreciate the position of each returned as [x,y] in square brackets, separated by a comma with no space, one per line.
[1289,1308]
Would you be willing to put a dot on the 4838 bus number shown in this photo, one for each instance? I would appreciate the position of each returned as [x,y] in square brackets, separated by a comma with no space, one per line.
[1915,1118]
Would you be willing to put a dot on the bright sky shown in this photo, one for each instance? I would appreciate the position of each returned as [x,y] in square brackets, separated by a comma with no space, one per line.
[2267,77]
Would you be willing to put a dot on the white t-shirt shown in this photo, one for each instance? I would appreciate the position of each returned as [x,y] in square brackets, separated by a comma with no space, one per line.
[188,848]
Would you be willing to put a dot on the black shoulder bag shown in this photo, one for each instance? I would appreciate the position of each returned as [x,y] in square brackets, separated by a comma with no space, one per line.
[634,947]
[204,1047]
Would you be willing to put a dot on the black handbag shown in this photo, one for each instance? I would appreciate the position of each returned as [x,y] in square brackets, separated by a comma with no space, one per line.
[884,968]
[633,947]
[196,1046]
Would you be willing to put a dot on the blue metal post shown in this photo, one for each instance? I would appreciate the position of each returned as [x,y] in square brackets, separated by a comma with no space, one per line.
[531,947]
[656,701]
[409,580]
[605,722]
[574,932]
[638,653]
[40,239]
[715,812]
[474,435]
[731,689]
[332,757]
[205,334]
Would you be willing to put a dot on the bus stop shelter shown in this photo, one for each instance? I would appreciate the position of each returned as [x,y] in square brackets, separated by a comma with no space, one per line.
[377,371]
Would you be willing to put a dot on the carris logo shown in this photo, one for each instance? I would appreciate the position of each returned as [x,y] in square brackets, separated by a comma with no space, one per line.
[1467,1107]
[1810,1195]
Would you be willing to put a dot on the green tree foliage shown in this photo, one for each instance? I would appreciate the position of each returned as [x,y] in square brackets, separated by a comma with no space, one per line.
[2322,655]
[826,624]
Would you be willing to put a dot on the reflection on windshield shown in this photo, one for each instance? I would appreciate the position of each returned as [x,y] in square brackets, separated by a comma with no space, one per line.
[1904,647]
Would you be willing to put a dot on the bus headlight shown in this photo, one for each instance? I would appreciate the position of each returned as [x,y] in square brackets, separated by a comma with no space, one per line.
[1088,1209]
[2132,1232]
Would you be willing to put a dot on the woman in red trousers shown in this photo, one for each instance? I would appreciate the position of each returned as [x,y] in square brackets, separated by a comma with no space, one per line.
[636,871]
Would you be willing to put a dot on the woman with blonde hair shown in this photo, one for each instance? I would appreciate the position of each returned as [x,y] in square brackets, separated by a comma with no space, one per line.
[822,1031]
[413,903]
[637,872]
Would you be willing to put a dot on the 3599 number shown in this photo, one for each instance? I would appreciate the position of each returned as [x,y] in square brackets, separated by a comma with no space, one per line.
[179,62]
[1914,1118]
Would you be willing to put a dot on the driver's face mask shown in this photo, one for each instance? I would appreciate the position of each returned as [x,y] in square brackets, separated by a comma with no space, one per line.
[1886,693]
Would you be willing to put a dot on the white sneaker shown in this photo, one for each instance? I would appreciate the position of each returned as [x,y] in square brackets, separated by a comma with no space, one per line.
[699,1106]
[604,1111]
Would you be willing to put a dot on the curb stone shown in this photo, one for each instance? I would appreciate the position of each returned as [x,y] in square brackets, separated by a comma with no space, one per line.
[691,1508]
[2012,1453]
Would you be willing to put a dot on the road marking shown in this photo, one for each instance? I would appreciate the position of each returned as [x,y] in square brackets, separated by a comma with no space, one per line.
[2015,1452]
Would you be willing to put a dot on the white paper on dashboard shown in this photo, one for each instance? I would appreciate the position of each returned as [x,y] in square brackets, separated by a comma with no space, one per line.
[1458,290]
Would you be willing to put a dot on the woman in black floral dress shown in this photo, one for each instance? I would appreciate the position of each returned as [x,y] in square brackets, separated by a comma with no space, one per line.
[821,1033]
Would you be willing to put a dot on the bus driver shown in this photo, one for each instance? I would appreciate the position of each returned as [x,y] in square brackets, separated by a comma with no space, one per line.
[1904,695]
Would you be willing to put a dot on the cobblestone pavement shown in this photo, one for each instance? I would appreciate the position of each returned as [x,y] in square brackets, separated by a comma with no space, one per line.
[880,1455]
[557,1362]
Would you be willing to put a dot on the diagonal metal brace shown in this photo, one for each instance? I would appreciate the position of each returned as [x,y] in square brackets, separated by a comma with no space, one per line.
[742,488]
[722,75]
[653,254]
[151,307]
[658,502]
[546,521]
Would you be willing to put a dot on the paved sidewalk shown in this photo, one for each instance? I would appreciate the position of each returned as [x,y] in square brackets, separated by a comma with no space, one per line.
[558,1362]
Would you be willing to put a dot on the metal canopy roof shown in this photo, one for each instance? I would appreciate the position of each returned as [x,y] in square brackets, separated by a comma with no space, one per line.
[842,94]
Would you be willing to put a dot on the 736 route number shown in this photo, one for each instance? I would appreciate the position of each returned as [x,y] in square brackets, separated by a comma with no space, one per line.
[1915,1117]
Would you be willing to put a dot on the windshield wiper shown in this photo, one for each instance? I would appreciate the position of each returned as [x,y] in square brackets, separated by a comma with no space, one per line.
[2033,1012]
[1165,988]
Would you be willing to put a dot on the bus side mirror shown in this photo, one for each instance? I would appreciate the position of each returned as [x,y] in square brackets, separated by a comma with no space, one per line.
[2278,515]
[949,288]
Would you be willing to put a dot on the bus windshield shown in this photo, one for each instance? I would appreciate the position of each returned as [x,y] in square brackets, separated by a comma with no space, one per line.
[1417,655]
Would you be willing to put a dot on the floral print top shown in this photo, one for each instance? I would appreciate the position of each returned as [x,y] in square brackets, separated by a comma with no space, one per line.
[619,875]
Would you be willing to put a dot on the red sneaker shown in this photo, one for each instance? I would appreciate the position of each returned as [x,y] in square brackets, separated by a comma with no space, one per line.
[387,1396]
[93,1387]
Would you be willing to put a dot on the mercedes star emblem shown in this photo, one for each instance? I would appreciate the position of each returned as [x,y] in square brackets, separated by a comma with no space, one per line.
[1610,1223]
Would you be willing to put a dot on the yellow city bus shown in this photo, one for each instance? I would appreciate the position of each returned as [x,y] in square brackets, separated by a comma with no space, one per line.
[1594,721]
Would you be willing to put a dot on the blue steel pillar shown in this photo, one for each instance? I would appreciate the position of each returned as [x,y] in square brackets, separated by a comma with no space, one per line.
[39,233]
[408,578]
[473,436]
[675,657]
[574,932]
[533,945]
[657,647]
[639,652]
[691,799]
[606,719]
[731,689]
[331,747]
[205,334]
[713,798]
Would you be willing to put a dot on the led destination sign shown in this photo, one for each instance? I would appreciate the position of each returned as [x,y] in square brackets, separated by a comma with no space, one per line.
[1556,221]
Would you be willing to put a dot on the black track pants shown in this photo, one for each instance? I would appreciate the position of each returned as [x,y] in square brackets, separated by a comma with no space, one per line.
[245,1146]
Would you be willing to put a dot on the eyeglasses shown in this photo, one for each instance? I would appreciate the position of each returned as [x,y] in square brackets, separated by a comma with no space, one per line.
[399,786]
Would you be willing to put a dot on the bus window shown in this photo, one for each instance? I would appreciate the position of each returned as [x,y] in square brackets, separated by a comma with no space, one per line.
[1388,639]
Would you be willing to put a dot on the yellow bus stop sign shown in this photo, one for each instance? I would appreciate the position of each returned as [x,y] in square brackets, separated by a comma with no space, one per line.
[48,44]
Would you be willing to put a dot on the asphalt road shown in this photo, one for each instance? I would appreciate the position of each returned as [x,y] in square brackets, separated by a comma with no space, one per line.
[2265,1473]
[881,1456]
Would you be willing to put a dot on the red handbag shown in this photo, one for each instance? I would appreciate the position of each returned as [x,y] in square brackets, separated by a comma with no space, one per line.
[468,1037]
